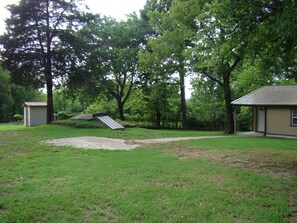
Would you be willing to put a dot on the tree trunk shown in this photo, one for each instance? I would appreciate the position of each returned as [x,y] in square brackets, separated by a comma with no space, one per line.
[50,104]
[158,118]
[182,73]
[213,107]
[227,95]
[48,69]
[121,110]
[49,87]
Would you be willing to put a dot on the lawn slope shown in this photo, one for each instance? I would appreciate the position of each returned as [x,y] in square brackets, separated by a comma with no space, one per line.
[232,179]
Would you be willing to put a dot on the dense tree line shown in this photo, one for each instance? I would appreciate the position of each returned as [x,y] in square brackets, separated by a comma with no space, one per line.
[136,69]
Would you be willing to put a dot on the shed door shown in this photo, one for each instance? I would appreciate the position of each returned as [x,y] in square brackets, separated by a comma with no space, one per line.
[260,119]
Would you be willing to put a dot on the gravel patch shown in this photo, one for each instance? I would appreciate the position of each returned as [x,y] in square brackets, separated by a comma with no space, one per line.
[165,140]
[89,142]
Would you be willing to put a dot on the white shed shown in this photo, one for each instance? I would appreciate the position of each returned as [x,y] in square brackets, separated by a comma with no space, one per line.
[35,113]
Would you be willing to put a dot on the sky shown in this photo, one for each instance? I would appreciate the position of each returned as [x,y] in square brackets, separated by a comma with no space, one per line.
[114,8]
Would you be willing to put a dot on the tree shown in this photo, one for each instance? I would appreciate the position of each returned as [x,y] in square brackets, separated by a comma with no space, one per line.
[224,33]
[165,53]
[65,104]
[154,83]
[12,96]
[21,94]
[157,97]
[32,44]
[5,95]
[110,66]
[215,54]
[270,33]
[206,105]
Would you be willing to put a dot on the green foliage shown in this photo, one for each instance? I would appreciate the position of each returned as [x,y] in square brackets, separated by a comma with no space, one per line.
[135,66]
[63,115]
[206,107]
[64,104]
[103,105]
[244,119]
[136,104]
[18,117]
[22,94]
[163,58]
[38,46]
[111,65]
[6,99]
[79,123]
[12,97]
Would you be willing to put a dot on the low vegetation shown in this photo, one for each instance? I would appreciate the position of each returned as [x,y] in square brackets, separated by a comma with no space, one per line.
[79,123]
[230,179]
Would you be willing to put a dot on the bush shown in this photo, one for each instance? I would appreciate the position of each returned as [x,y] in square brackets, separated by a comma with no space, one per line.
[244,119]
[63,115]
[209,124]
[18,117]
[80,123]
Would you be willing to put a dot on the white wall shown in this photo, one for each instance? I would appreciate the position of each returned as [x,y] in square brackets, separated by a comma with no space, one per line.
[35,116]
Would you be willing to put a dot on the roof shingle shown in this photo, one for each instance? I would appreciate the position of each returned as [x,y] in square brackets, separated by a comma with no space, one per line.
[270,95]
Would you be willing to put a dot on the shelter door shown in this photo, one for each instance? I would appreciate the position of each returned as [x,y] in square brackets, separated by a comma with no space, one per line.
[260,119]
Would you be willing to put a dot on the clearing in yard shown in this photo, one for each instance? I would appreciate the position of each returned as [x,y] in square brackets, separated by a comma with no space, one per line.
[91,142]
[224,179]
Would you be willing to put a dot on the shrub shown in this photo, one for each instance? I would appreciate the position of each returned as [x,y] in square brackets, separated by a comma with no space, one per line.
[63,115]
[18,117]
[80,123]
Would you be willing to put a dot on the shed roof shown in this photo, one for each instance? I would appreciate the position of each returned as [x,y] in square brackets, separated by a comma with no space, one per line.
[35,104]
[270,95]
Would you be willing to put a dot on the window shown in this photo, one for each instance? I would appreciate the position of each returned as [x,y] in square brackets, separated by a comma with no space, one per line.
[294,117]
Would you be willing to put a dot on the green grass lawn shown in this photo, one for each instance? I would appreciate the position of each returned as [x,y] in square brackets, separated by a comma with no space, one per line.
[233,179]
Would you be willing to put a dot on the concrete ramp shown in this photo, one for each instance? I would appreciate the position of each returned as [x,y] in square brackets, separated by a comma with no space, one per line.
[109,122]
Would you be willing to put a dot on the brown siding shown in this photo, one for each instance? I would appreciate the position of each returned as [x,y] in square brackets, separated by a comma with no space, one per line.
[279,121]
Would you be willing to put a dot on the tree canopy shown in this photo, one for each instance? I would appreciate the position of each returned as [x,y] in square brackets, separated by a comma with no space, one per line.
[135,69]
[38,35]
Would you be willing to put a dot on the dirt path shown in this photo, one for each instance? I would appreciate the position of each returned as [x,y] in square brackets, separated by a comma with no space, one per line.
[89,142]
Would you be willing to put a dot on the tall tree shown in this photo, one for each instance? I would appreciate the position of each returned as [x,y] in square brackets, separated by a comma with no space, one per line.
[225,32]
[110,65]
[165,51]
[152,77]
[215,54]
[32,42]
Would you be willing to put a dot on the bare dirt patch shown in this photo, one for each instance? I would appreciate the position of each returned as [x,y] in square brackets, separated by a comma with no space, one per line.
[2,158]
[165,140]
[87,142]
[6,137]
[275,164]
[19,153]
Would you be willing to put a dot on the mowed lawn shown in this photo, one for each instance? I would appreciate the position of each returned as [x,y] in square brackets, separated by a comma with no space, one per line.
[231,179]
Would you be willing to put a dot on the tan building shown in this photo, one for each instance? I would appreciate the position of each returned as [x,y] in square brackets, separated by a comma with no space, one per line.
[274,109]
[35,113]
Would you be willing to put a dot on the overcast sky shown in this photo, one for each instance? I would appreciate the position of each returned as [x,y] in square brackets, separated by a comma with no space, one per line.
[115,8]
